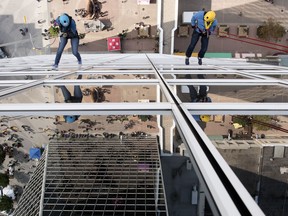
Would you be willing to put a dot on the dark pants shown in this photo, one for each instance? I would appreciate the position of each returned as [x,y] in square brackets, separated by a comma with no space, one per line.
[62,44]
[202,91]
[194,39]
[77,94]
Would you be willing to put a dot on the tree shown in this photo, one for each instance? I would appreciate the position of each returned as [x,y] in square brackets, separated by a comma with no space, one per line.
[53,31]
[241,120]
[4,180]
[271,29]
[144,118]
[6,203]
[256,121]
[264,119]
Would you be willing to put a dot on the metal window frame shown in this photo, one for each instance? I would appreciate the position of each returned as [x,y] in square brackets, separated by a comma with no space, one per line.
[211,167]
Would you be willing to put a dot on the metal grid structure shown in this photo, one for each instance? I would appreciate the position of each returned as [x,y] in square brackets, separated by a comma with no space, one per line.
[31,199]
[104,177]
[224,192]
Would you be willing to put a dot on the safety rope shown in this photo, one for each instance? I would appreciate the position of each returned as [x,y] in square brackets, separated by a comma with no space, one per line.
[246,40]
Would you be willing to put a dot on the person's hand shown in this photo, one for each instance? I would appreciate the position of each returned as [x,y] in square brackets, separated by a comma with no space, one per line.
[194,27]
[64,35]
[55,23]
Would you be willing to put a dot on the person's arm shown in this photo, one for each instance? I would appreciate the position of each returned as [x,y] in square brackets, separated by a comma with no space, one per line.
[56,22]
[73,26]
[194,20]
[213,26]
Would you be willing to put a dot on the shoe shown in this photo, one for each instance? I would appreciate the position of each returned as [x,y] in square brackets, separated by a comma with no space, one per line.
[200,61]
[54,67]
[186,61]
[79,65]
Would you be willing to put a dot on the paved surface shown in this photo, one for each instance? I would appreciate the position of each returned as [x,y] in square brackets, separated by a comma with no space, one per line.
[258,171]
[119,18]
[254,13]
[274,185]
[122,15]
[179,183]
[22,171]
[12,19]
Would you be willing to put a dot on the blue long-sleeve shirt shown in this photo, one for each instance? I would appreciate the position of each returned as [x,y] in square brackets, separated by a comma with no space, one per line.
[198,20]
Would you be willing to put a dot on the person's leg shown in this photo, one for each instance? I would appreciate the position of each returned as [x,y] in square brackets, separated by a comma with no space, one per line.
[193,93]
[62,44]
[78,93]
[74,45]
[194,40]
[65,92]
[203,88]
[77,90]
[204,46]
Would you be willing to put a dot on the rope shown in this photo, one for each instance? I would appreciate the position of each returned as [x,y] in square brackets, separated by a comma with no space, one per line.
[255,39]
[257,44]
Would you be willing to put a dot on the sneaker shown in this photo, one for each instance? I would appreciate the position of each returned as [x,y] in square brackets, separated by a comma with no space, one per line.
[200,61]
[186,61]
[54,67]
[79,65]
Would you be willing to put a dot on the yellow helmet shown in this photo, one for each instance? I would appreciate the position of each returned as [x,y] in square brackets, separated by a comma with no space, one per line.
[205,118]
[209,17]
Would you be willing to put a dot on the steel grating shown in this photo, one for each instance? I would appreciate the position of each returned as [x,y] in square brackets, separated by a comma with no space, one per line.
[104,177]
[30,199]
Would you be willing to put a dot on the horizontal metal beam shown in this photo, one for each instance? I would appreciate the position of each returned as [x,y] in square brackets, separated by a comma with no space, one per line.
[47,109]
[30,73]
[221,71]
[28,84]
[83,82]
[223,82]
[210,82]
[237,108]
[135,67]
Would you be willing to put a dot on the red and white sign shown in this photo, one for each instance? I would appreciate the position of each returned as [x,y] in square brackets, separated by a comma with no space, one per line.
[113,44]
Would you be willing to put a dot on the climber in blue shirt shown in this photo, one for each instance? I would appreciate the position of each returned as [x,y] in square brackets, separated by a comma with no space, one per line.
[67,27]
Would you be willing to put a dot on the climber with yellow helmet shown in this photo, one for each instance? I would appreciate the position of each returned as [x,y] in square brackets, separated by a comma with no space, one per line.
[204,23]
[199,97]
